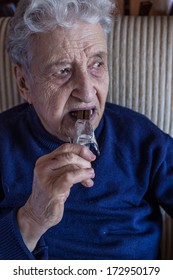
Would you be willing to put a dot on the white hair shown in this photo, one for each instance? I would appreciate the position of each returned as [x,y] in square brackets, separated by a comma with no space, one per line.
[36,16]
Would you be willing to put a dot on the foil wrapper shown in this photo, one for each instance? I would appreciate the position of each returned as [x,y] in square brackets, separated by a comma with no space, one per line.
[84,135]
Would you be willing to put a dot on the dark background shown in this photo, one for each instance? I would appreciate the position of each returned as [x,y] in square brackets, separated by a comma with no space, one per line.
[7,7]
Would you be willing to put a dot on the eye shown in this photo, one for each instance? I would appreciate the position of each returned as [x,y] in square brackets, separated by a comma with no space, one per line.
[64,71]
[98,64]
[97,68]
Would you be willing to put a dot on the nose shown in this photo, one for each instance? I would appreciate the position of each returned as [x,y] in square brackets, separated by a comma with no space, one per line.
[84,89]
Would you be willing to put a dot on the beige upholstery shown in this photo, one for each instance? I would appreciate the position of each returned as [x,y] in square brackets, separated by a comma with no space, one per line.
[8,89]
[141,62]
[141,77]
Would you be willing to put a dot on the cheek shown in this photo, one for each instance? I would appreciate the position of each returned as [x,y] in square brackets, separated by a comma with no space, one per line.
[103,88]
[48,95]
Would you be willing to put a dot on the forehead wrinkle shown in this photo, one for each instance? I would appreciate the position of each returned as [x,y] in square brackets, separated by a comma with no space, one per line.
[70,49]
[71,55]
[84,44]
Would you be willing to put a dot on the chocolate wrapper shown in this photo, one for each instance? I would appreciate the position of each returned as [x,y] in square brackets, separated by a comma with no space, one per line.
[84,135]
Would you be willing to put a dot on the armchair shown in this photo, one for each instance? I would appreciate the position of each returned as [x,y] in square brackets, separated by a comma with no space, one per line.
[141,78]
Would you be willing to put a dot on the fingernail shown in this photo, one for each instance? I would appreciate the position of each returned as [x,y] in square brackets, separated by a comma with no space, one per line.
[92,156]
[92,171]
[88,184]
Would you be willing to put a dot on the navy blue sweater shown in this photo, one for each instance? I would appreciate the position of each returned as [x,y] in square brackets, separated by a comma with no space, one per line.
[119,217]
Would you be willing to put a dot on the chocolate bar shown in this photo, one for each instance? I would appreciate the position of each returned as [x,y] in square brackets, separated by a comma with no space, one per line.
[83,115]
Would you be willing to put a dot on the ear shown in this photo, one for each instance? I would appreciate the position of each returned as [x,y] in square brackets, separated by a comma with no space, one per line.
[23,82]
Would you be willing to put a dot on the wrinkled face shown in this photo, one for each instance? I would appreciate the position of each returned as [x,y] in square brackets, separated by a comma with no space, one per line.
[69,73]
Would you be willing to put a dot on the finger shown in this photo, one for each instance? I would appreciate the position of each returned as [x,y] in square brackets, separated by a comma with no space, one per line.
[65,178]
[60,161]
[88,183]
[80,150]
[68,159]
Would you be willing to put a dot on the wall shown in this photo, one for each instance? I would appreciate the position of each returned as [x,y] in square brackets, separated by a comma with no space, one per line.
[144,7]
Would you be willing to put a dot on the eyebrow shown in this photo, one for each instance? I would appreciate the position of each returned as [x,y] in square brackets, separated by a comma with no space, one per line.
[56,63]
[99,54]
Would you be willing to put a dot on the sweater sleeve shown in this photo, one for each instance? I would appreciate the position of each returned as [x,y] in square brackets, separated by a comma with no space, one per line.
[162,186]
[12,246]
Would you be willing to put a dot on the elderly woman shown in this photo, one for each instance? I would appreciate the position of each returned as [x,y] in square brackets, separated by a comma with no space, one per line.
[57,199]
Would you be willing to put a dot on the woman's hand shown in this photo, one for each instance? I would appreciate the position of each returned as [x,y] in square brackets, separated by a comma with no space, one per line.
[54,175]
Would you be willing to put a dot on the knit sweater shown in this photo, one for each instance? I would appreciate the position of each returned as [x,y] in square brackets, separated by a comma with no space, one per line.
[119,217]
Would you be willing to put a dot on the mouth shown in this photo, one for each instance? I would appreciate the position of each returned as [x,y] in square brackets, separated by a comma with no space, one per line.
[83,114]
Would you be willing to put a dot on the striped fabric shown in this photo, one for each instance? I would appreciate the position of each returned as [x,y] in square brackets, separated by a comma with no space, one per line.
[8,90]
[141,66]
[141,77]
